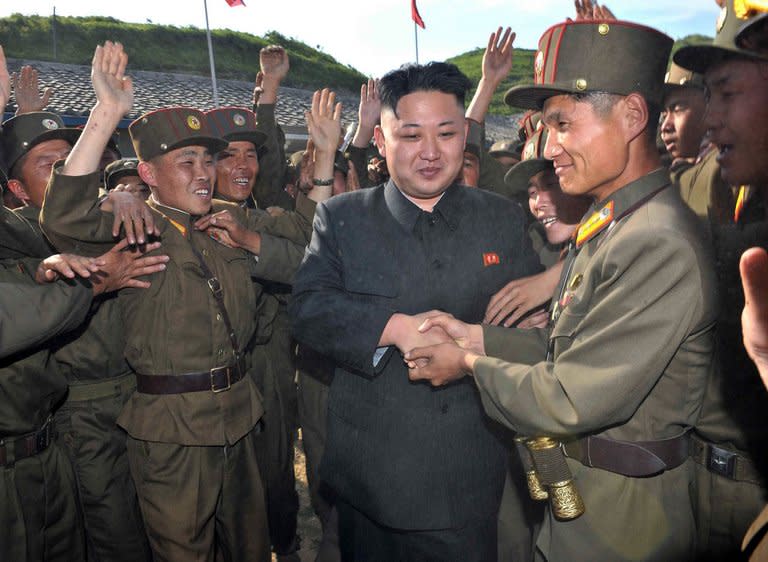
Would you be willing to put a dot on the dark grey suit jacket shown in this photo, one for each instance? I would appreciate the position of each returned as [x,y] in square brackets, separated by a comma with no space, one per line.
[407,455]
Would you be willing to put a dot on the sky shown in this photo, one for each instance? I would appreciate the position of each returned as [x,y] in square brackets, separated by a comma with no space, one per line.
[375,36]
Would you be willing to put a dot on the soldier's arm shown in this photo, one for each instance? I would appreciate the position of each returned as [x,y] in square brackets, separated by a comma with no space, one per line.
[614,352]
[70,216]
[268,190]
[32,314]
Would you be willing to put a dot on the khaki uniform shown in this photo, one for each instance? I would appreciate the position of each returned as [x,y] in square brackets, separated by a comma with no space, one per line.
[268,189]
[100,382]
[631,360]
[172,328]
[734,416]
[39,515]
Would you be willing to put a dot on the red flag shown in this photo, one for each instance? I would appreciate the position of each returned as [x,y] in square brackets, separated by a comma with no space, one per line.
[415,15]
[233,3]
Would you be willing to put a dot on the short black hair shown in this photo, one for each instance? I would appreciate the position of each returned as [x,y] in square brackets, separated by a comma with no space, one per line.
[433,76]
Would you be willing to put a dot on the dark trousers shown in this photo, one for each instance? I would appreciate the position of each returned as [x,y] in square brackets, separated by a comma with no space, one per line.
[195,500]
[39,515]
[363,540]
[95,445]
[274,374]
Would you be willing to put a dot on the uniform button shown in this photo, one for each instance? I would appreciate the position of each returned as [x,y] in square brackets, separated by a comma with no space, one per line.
[221,352]
[205,252]
[444,408]
[432,220]
[218,317]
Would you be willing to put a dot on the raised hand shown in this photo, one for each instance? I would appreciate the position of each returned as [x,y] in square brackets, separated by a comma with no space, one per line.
[497,59]
[368,113]
[26,90]
[113,88]
[274,63]
[324,121]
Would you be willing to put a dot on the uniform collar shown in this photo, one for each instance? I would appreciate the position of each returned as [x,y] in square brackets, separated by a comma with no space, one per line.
[407,213]
[619,203]
[181,220]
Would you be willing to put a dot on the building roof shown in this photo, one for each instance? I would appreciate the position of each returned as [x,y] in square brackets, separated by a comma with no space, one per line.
[73,97]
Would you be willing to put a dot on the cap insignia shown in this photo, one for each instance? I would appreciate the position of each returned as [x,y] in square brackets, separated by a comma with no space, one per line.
[50,124]
[721,19]
[538,66]
[193,122]
[238,119]
[530,148]
[603,29]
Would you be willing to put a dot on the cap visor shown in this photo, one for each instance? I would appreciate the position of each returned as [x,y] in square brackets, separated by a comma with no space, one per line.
[516,179]
[533,96]
[256,137]
[699,58]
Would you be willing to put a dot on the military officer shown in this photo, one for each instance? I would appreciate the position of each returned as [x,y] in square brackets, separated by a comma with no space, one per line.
[732,442]
[619,376]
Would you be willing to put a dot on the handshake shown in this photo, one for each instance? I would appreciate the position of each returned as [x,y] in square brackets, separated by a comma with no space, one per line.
[436,346]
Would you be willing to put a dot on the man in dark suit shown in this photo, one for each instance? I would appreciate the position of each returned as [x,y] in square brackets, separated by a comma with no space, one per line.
[419,472]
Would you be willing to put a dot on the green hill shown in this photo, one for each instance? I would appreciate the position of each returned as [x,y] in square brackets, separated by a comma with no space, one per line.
[168,48]
[522,70]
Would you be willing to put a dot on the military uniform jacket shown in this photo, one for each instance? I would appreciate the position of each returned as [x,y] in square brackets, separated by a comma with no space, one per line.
[735,411]
[30,382]
[632,355]
[405,454]
[175,326]
[94,350]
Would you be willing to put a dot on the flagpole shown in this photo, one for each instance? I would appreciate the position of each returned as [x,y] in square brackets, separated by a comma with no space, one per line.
[416,39]
[210,57]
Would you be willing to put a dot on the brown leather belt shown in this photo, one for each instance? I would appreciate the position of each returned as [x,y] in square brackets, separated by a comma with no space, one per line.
[13,449]
[725,462]
[215,380]
[630,458]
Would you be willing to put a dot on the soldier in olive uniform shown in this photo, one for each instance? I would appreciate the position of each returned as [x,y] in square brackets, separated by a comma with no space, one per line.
[731,447]
[194,414]
[91,359]
[237,171]
[619,377]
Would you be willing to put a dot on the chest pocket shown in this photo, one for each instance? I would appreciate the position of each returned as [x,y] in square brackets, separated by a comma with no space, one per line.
[565,331]
[371,281]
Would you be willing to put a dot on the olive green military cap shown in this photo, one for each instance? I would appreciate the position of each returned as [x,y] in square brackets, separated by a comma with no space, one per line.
[679,77]
[733,16]
[235,124]
[529,123]
[753,35]
[158,132]
[23,132]
[576,57]
[120,169]
[506,147]
[531,163]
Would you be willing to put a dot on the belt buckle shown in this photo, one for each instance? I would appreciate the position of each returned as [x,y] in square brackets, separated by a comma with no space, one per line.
[721,461]
[215,371]
[215,286]
[42,439]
